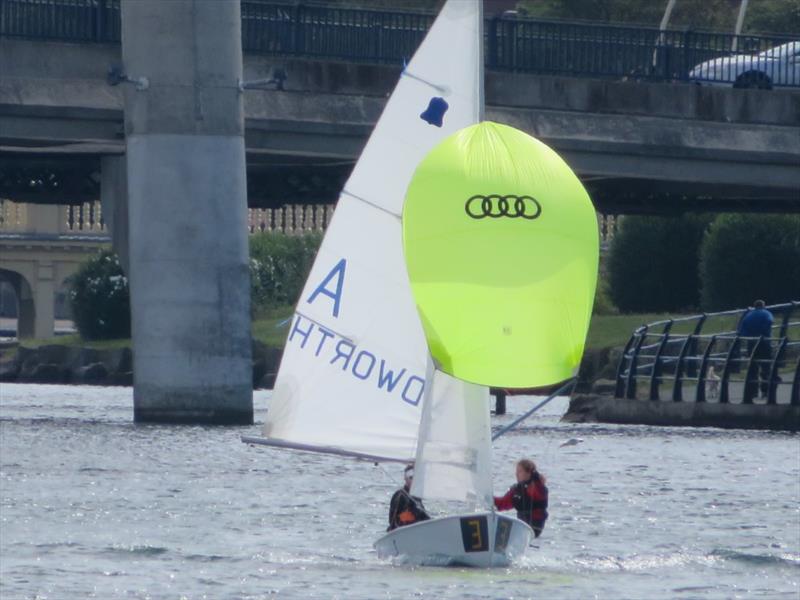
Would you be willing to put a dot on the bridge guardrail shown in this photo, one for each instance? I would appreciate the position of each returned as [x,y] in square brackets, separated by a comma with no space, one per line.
[512,43]
[656,353]
[24,219]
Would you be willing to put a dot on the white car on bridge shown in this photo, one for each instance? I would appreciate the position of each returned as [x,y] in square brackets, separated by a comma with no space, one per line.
[778,66]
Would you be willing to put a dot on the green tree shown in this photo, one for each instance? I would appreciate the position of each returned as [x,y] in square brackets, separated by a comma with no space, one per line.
[99,298]
[720,15]
[652,263]
[279,266]
[620,11]
[410,5]
[747,256]
[776,16]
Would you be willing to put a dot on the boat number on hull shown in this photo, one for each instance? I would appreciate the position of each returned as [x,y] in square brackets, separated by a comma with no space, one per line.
[475,533]
[502,534]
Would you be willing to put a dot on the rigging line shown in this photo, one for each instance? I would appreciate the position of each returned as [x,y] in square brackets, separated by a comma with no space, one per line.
[276,443]
[566,387]
[386,473]
[283,323]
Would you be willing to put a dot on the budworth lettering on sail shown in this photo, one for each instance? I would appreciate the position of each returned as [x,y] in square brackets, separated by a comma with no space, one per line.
[341,353]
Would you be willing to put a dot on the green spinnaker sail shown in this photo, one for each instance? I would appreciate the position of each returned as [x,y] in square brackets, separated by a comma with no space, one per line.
[501,245]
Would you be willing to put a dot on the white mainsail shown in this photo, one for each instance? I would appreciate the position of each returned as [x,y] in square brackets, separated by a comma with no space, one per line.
[352,376]
[454,453]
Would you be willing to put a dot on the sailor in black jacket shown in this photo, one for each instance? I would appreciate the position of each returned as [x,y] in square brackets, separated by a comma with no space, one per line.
[404,508]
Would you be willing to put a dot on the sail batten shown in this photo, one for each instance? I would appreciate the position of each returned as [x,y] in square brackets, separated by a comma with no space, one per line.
[276,443]
[372,204]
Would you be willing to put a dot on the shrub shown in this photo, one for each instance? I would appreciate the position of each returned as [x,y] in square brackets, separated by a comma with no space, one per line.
[749,256]
[279,266]
[99,298]
[653,263]
[602,300]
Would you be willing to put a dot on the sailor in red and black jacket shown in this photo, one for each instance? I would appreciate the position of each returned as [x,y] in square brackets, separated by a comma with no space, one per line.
[528,496]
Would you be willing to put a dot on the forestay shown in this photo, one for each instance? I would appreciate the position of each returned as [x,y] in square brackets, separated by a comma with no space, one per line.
[352,375]
[454,454]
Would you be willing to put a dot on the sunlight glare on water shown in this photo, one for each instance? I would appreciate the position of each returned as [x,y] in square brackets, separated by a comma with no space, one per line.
[93,506]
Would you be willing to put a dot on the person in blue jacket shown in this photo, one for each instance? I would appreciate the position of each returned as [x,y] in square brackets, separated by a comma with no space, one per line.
[758,322]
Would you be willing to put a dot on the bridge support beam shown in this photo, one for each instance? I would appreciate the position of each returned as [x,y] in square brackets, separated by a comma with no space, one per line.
[190,295]
[114,196]
[44,299]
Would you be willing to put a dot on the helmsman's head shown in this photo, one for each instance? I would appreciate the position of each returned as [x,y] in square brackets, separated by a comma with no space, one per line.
[525,468]
[408,474]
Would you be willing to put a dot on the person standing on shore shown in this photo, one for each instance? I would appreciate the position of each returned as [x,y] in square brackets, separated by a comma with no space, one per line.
[756,323]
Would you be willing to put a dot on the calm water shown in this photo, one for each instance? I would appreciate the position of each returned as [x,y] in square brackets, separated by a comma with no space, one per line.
[95,506]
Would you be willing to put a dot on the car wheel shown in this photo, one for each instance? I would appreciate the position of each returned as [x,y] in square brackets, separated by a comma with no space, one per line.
[753,80]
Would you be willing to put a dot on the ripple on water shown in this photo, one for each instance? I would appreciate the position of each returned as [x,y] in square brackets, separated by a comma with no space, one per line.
[99,507]
[137,550]
[788,559]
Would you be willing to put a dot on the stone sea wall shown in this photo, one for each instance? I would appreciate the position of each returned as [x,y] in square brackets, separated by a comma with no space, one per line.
[57,363]
[61,364]
[601,408]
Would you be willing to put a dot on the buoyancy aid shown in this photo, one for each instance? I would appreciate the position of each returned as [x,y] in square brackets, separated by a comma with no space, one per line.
[405,509]
[530,500]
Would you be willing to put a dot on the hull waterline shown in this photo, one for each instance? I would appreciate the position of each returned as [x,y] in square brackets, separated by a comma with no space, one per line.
[484,539]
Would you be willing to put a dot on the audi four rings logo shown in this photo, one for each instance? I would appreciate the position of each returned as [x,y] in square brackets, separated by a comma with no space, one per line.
[495,206]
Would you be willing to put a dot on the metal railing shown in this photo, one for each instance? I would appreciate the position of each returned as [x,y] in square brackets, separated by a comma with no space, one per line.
[69,20]
[721,367]
[512,43]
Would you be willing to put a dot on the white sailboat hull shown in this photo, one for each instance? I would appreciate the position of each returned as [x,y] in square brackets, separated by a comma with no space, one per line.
[484,539]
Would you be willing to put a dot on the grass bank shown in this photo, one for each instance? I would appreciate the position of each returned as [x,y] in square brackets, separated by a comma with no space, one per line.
[272,327]
[614,330]
[604,331]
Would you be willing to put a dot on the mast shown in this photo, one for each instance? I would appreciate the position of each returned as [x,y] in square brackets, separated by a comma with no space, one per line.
[481,64]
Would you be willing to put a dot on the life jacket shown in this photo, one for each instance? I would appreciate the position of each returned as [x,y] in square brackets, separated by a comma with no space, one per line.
[529,510]
[408,510]
[406,517]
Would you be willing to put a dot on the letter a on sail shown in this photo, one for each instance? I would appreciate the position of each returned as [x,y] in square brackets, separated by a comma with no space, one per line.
[353,371]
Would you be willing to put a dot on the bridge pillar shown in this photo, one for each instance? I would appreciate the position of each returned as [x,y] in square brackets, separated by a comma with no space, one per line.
[190,294]
[114,196]
[26,316]
[44,293]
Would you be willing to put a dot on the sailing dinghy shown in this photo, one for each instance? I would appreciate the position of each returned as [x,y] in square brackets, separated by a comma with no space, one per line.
[404,321]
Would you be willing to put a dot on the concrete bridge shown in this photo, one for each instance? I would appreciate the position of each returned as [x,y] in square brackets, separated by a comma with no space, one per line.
[188,145]
[640,147]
